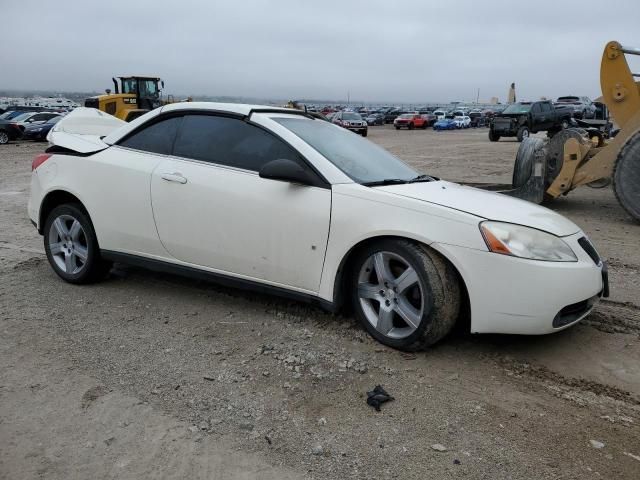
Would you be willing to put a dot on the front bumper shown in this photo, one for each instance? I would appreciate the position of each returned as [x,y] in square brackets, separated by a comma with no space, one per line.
[518,296]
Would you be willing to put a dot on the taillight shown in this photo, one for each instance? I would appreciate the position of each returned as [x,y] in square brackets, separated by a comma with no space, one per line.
[39,160]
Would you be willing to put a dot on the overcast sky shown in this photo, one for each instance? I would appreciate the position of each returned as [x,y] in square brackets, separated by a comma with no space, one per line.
[404,51]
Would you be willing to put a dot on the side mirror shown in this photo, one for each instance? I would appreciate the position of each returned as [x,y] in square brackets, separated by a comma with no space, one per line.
[286,171]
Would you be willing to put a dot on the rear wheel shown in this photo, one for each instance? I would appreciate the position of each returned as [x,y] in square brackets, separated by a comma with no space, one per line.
[424,125]
[523,132]
[405,295]
[71,245]
[4,137]
[626,177]
[493,136]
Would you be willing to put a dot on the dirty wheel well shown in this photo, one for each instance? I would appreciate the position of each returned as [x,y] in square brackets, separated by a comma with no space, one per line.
[52,200]
[344,274]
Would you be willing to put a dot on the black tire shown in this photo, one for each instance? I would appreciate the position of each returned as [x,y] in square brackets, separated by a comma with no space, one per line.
[4,137]
[397,128]
[94,268]
[523,132]
[425,124]
[411,126]
[525,158]
[364,134]
[626,177]
[441,286]
[493,137]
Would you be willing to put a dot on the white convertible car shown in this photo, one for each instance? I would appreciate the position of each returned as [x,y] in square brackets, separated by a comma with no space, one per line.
[275,200]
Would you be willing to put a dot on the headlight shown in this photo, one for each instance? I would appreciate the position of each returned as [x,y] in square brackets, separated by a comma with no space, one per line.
[525,242]
[37,129]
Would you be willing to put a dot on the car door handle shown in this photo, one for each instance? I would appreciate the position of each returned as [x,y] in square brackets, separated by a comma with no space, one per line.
[173,177]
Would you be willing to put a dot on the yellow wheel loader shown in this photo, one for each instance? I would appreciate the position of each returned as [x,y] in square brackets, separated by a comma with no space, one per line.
[132,96]
[546,169]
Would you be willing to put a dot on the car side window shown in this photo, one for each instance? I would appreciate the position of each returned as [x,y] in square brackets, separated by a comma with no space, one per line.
[546,107]
[229,141]
[156,138]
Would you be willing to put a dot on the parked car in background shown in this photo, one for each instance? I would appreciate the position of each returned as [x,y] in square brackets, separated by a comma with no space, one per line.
[462,121]
[311,212]
[9,131]
[440,114]
[391,115]
[351,121]
[523,118]
[478,119]
[410,121]
[582,107]
[375,119]
[38,131]
[36,117]
[445,124]
[430,118]
[11,114]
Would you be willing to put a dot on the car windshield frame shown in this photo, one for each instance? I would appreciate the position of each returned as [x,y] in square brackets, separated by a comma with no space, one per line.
[518,108]
[361,160]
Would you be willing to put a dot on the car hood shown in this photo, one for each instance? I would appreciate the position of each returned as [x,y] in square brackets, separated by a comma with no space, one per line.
[487,205]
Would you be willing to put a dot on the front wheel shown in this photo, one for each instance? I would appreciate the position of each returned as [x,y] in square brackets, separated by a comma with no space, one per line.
[397,128]
[4,137]
[523,133]
[411,126]
[364,133]
[72,247]
[406,295]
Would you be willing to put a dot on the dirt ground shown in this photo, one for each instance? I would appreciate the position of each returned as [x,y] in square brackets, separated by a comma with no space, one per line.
[156,376]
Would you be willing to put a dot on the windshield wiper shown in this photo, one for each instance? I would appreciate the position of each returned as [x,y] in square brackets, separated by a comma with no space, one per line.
[422,178]
[386,181]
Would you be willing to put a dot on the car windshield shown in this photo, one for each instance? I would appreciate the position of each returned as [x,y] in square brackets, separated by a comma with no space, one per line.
[517,108]
[406,115]
[55,119]
[362,160]
[22,117]
[6,114]
[351,116]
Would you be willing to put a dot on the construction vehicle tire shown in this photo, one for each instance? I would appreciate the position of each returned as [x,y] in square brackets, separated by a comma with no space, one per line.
[626,176]
[525,158]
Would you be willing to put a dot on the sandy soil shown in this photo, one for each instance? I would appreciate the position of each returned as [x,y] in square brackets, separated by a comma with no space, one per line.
[155,376]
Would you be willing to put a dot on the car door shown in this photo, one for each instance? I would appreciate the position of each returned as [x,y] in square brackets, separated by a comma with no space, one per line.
[213,210]
[119,192]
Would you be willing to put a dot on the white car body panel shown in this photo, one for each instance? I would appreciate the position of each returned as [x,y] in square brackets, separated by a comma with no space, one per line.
[486,204]
[231,221]
[230,224]
[81,130]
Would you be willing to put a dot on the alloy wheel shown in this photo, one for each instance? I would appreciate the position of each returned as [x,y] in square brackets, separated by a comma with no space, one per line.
[391,295]
[4,138]
[68,244]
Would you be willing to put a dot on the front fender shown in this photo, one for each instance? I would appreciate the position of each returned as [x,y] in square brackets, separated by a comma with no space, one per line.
[359,214]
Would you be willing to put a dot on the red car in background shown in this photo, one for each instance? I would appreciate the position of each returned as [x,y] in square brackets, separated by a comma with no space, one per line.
[410,121]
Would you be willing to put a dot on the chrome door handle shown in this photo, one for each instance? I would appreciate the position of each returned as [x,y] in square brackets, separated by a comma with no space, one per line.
[173,177]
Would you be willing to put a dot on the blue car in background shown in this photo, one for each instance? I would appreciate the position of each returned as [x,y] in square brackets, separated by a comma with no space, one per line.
[445,124]
[39,131]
